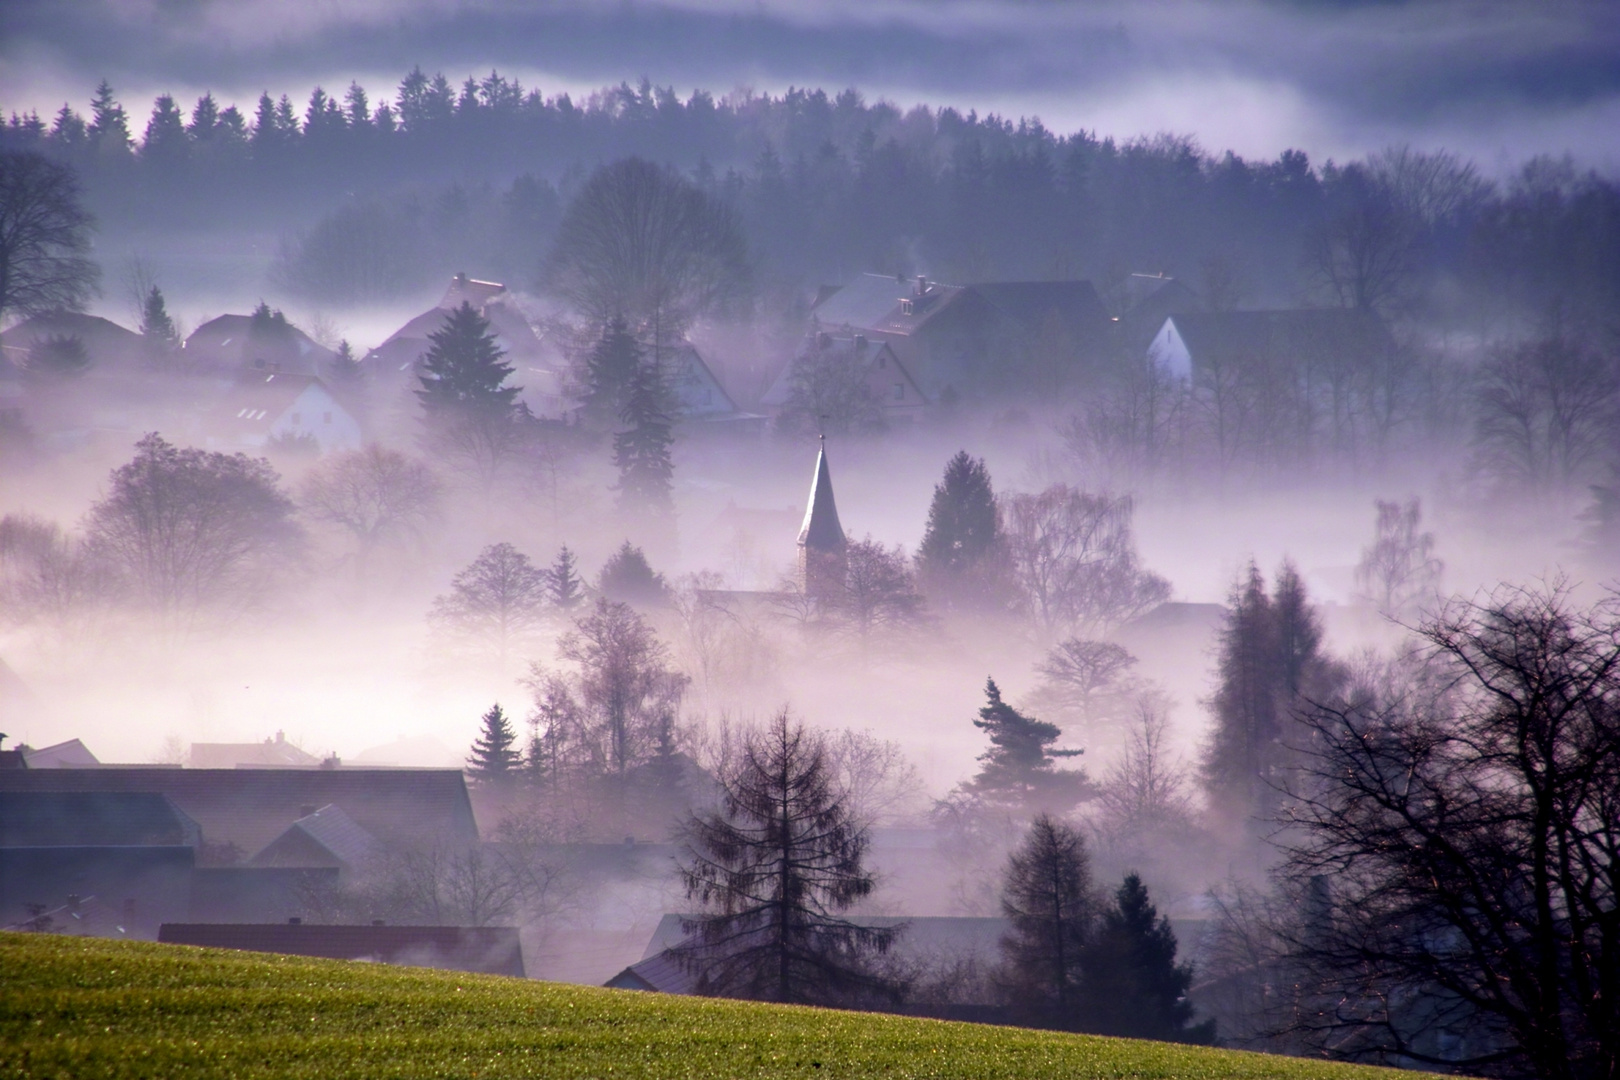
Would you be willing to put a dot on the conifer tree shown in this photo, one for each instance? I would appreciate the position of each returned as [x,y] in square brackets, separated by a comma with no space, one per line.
[109,124]
[156,325]
[1131,985]
[775,867]
[469,410]
[962,556]
[345,365]
[627,576]
[641,451]
[563,585]
[1019,766]
[493,760]
[609,370]
[1048,900]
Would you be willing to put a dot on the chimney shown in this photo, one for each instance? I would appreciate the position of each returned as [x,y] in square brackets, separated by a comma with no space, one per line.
[922,284]
[281,737]
[860,344]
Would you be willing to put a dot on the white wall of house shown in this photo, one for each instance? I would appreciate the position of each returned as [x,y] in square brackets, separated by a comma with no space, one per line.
[1169,352]
[315,412]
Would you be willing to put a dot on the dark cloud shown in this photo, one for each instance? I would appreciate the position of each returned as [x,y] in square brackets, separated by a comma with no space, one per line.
[1504,76]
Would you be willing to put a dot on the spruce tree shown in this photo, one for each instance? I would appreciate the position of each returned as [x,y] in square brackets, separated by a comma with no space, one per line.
[962,547]
[345,365]
[641,451]
[464,370]
[1131,985]
[563,585]
[1047,898]
[156,325]
[1018,769]
[609,371]
[493,760]
[628,577]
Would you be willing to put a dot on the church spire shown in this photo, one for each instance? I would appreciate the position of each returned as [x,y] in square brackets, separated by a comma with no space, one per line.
[821,537]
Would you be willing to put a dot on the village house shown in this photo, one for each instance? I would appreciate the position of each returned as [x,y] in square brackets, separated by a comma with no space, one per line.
[239,344]
[887,381]
[263,410]
[1312,342]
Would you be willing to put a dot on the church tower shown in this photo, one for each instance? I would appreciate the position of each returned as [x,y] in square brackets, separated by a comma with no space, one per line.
[822,564]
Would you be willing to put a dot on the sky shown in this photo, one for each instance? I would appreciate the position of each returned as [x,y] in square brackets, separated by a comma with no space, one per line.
[1497,82]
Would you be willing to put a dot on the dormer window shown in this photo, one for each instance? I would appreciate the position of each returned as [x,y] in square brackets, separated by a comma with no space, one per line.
[906,307]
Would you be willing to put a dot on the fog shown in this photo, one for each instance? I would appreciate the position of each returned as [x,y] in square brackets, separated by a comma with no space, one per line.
[1259,281]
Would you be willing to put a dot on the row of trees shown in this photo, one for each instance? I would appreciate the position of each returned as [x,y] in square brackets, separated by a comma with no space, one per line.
[828,183]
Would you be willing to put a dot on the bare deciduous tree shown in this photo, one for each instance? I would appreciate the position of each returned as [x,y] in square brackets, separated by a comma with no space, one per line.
[44,235]
[879,783]
[1074,557]
[497,601]
[377,495]
[1091,678]
[1549,410]
[1399,573]
[187,529]
[47,574]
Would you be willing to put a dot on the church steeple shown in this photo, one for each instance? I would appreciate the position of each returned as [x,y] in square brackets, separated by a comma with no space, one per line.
[821,538]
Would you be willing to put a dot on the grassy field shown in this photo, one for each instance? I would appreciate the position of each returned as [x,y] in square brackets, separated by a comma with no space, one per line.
[84,1008]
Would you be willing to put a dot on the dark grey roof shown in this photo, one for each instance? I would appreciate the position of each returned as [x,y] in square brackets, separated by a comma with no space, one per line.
[491,950]
[1029,304]
[251,807]
[92,818]
[326,837]
[821,530]
[1301,334]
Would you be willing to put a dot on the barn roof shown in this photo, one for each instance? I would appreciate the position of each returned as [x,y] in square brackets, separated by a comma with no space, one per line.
[251,807]
[93,819]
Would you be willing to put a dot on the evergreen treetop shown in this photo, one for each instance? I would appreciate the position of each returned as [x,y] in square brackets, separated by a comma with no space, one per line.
[494,759]
[963,526]
[156,325]
[1131,985]
[563,585]
[1019,766]
[641,451]
[464,369]
[609,371]
[1048,899]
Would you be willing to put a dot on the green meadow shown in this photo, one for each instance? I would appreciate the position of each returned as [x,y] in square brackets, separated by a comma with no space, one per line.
[86,1008]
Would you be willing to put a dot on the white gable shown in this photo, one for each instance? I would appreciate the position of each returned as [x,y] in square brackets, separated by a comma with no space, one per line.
[1169,353]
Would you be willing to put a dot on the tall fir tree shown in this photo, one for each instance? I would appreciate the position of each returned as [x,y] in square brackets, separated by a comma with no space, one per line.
[494,759]
[563,585]
[1019,768]
[1049,904]
[642,450]
[961,560]
[109,124]
[469,410]
[1270,660]
[156,325]
[1131,985]
[609,371]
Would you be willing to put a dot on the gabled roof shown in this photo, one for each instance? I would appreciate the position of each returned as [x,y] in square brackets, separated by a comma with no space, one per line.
[328,837]
[884,369]
[92,819]
[233,341]
[71,754]
[490,950]
[464,289]
[405,346]
[254,404]
[884,304]
[101,337]
[1029,304]
[275,751]
[251,807]
[696,389]
[821,530]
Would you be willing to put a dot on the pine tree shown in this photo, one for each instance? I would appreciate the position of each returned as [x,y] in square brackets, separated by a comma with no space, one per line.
[775,866]
[345,365]
[1131,985]
[1019,766]
[563,585]
[109,124]
[493,760]
[467,406]
[166,140]
[609,371]
[156,325]
[1047,898]
[627,576]
[962,556]
[641,451]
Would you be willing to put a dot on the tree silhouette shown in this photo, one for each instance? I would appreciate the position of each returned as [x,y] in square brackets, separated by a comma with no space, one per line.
[563,586]
[962,555]
[44,237]
[1048,900]
[493,760]
[1019,766]
[467,406]
[498,600]
[1131,985]
[775,866]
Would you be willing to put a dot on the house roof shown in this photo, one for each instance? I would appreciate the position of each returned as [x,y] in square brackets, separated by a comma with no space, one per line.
[233,341]
[1238,336]
[326,837]
[71,754]
[1029,304]
[490,950]
[405,346]
[884,304]
[101,337]
[464,289]
[251,807]
[883,367]
[821,530]
[93,818]
[275,751]
[697,390]
[258,400]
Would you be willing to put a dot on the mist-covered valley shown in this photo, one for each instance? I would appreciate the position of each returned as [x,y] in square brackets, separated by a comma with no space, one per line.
[584,450]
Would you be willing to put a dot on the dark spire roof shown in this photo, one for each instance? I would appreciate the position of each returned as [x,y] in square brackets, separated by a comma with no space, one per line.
[821,530]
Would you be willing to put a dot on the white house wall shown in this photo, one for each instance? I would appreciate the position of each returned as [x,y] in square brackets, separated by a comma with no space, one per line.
[314,412]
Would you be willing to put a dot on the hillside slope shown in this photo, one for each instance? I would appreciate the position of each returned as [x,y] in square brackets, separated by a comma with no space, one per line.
[85,1008]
